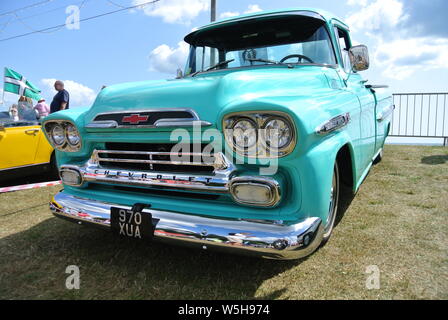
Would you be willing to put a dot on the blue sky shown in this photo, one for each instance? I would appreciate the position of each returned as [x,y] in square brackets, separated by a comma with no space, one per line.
[407,39]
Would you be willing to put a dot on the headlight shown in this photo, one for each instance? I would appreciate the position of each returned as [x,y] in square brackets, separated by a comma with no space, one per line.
[63,135]
[244,133]
[264,134]
[278,133]
[57,135]
[72,133]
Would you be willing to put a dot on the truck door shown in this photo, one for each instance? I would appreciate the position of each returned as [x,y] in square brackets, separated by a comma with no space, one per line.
[355,84]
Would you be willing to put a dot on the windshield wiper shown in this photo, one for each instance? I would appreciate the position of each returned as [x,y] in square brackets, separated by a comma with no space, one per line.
[212,67]
[222,63]
[262,60]
[271,61]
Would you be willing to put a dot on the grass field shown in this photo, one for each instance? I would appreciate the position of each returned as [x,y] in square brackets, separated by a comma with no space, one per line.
[398,221]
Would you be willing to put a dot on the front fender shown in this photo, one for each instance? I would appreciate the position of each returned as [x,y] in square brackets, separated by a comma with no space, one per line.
[76,116]
[316,172]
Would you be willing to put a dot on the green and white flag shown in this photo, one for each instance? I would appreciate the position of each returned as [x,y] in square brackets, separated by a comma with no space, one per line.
[16,83]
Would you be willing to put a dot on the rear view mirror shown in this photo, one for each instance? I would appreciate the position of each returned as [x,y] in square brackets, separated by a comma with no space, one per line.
[359,58]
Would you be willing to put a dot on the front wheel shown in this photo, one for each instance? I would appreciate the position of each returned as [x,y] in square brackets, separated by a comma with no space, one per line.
[333,208]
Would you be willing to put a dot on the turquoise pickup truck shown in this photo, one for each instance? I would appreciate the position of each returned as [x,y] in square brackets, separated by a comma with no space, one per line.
[245,151]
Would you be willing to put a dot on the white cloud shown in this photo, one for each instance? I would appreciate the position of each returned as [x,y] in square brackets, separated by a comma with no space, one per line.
[229,14]
[397,50]
[80,95]
[175,11]
[377,16]
[402,58]
[361,3]
[252,8]
[166,59]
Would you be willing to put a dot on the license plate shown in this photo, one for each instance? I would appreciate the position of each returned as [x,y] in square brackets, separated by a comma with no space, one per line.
[127,223]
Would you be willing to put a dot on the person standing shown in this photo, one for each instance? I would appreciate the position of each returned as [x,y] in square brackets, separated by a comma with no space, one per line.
[42,108]
[61,100]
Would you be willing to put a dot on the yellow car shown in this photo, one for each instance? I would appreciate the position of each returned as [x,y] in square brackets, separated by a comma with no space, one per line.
[24,150]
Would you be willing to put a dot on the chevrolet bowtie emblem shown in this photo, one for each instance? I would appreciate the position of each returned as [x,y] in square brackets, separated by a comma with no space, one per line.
[134,119]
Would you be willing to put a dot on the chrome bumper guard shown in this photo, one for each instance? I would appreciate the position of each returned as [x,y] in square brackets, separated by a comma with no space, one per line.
[250,237]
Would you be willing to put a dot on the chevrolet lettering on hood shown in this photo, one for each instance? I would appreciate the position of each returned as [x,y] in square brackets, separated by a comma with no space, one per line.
[246,150]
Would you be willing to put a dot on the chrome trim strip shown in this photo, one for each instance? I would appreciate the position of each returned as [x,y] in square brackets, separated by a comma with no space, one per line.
[385,113]
[161,123]
[103,124]
[219,160]
[333,124]
[266,238]
[25,166]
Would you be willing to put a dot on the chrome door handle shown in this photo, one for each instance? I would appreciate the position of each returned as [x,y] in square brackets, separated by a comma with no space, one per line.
[33,131]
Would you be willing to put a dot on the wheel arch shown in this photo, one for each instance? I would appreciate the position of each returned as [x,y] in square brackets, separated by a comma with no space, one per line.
[345,160]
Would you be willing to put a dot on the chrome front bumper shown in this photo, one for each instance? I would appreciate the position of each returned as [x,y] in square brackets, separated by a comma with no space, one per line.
[261,238]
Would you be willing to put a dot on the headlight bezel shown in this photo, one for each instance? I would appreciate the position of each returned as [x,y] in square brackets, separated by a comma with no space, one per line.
[62,133]
[67,135]
[66,146]
[264,132]
[261,118]
[254,125]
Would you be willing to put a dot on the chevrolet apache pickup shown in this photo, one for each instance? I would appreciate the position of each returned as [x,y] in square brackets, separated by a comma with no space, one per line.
[245,151]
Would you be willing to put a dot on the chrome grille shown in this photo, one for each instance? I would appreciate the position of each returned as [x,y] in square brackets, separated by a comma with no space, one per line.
[157,158]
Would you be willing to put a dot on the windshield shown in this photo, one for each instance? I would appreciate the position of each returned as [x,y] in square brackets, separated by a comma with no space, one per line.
[18,114]
[289,40]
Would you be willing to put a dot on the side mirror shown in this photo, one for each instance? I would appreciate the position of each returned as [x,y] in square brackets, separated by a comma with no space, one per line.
[37,114]
[2,127]
[179,74]
[359,58]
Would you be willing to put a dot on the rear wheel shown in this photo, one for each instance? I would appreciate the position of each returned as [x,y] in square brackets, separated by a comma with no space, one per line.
[379,157]
[333,208]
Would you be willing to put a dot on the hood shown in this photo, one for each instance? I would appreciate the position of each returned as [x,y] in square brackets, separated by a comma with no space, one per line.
[209,93]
